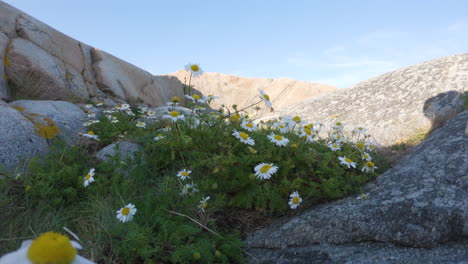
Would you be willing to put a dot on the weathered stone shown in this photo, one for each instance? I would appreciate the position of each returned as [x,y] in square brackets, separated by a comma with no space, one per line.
[67,116]
[36,74]
[75,56]
[4,88]
[362,254]
[18,139]
[394,105]
[421,202]
[245,91]
[129,82]
[8,15]
[124,149]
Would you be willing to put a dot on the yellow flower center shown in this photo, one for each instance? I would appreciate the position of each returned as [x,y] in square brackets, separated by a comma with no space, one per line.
[244,135]
[370,164]
[160,135]
[348,160]
[266,97]
[28,187]
[194,68]
[309,126]
[88,176]
[294,146]
[249,125]
[338,123]
[174,114]
[53,248]
[296,119]
[281,126]
[307,131]
[196,256]
[175,99]
[252,150]
[196,97]
[204,205]
[265,168]
[140,123]
[295,200]
[125,211]
[360,145]
[335,146]
[278,137]
[184,173]
[90,133]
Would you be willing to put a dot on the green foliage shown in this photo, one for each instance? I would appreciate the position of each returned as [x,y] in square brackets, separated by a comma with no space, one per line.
[171,224]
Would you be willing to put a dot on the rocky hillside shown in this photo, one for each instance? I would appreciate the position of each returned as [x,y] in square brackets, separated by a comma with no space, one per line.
[394,105]
[244,91]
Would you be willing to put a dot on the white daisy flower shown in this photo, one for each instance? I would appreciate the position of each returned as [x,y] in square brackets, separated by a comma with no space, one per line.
[125,107]
[174,116]
[265,98]
[189,189]
[142,109]
[166,129]
[338,137]
[126,214]
[184,174]
[158,137]
[88,106]
[204,203]
[91,114]
[318,127]
[362,196]
[199,109]
[265,170]
[209,98]
[307,135]
[90,134]
[334,146]
[49,247]
[141,124]
[278,139]
[195,98]
[114,120]
[369,167]
[194,69]
[94,121]
[295,200]
[109,111]
[89,178]
[99,103]
[359,130]
[130,113]
[338,126]
[283,128]
[348,162]
[249,126]
[87,123]
[365,156]
[370,146]
[243,137]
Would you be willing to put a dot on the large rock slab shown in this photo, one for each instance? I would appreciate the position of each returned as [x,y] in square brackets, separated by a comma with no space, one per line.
[36,74]
[363,254]
[4,89]
[131,83]
[8,15]
[421,202]
[68,117]
[394,105]
[18,139]
[245,91]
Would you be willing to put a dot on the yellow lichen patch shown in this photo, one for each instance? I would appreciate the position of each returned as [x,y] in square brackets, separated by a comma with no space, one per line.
[68,77]
[19,108]
[6,61]
[43,126]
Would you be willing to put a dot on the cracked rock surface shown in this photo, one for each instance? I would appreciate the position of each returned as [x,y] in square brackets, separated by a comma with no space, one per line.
[422,202]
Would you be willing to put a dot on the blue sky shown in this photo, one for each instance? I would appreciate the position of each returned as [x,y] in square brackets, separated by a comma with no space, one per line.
[334,42]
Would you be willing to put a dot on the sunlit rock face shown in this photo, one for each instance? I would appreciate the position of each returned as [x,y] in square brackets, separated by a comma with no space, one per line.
[394,105]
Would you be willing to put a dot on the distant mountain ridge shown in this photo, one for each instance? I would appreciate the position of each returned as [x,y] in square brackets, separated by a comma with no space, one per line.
[244,91]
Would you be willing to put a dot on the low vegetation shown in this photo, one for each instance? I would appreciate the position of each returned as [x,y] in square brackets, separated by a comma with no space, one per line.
[203,179]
